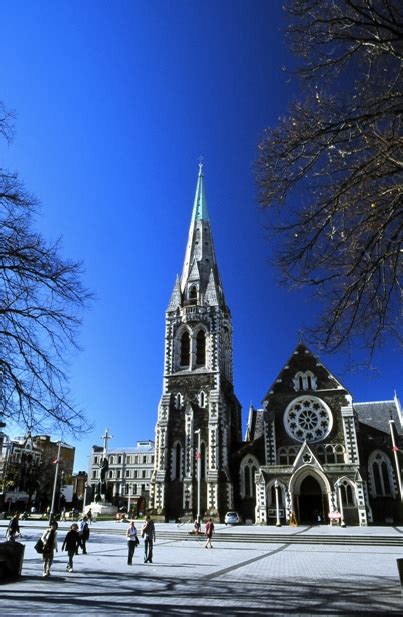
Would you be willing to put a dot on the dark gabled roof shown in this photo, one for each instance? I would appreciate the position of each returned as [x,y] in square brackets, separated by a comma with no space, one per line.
[378,413]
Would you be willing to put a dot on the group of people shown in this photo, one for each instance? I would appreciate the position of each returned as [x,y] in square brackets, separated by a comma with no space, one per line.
[148,533]
[75,539]
[78,535]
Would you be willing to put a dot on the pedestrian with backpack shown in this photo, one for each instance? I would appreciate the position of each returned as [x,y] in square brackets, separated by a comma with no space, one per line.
[84,533]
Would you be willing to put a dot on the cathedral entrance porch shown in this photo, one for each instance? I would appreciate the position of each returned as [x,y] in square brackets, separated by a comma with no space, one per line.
[310,504]
[310,497]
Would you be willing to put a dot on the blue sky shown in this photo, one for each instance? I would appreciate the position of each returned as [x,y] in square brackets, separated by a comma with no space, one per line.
[115,103]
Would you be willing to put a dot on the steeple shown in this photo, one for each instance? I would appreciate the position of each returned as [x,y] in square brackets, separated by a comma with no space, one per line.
[200,265]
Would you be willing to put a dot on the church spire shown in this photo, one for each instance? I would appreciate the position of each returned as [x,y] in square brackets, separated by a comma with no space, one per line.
[200,269]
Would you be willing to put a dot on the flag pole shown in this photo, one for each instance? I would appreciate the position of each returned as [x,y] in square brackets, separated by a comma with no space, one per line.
[395,450]
[55,482]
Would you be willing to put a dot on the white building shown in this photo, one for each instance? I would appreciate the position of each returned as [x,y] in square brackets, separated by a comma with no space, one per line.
[128,475]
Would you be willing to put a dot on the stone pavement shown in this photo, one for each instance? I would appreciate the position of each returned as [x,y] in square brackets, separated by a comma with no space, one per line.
[231,579]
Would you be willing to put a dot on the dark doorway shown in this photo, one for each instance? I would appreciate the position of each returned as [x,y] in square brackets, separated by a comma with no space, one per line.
[310,503]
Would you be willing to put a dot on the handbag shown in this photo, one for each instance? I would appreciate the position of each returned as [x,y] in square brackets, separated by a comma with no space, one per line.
[39,546]
[136,541]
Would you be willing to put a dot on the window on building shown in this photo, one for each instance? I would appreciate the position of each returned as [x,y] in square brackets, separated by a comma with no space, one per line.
[143,488]
[127,473]
[304,381]
[118,473]
[119,460]
[144,460]
[381,474]
[95,460]
[193,293]
[152,459]
[94,474]
[135,473]
[110,474]
[347,494]
[248,470]
[201,348]
[202,399]
[178,400]
[134,489]
[185,349]
[136,459]
[128,460]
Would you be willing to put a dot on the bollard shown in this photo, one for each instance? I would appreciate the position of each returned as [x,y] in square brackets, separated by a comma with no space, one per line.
[11,559]
[400,570]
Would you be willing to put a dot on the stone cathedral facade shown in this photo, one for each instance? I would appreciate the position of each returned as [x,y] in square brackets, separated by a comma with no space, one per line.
[310,454]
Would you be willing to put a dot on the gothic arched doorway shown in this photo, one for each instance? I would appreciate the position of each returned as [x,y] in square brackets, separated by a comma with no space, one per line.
[310,502]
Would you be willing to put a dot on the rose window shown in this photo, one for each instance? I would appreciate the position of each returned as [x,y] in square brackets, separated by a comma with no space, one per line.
[308,419]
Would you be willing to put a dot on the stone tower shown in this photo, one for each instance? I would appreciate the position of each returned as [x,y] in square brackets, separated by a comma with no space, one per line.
[198,393]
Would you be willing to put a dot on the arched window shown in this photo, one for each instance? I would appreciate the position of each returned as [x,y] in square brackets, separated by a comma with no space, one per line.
[202,399]
[248,470]
[347,495]
[201,348]
[330,455]
[385,478]
[185,349]
[381,474]
[193,293]
[339,454]
[247,481]
[178,401]
[304,381]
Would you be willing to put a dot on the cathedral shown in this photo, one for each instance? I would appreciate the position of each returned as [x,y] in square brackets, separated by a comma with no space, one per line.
[310,454]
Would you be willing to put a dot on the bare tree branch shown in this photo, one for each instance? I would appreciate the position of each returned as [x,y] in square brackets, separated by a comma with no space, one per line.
[41,299]
[331,172]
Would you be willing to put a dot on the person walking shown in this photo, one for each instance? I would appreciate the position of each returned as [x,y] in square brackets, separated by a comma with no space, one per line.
[89,515]
[71,544]
[49,539]
[84,532]
[209,533]
[132,542]
[148,533]
[13,529]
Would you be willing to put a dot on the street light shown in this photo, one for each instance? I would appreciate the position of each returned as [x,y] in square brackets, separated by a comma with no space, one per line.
[55,481]
[276,487]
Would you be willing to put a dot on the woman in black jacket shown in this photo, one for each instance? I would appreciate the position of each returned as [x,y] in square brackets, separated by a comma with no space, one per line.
[71,544]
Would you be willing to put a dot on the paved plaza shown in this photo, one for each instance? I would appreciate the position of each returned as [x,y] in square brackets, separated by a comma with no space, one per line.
[233,578]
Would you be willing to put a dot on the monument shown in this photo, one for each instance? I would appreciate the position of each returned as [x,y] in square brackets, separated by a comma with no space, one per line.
[100,505]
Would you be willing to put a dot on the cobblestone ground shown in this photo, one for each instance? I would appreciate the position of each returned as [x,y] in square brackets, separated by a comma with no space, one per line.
[230,579]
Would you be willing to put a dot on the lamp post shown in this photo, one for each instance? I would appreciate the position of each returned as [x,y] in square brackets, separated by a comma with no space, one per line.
[85,496]
[395,450]
[276,487]
[198,433]
[55,481]
[129,494]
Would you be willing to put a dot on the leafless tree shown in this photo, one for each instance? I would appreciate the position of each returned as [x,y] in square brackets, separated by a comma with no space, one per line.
[41,298]
[331,171]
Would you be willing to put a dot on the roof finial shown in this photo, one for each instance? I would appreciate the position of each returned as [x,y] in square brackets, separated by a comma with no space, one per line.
[201,159]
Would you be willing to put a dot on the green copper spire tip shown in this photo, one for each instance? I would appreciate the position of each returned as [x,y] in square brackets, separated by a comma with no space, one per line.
[200,212]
